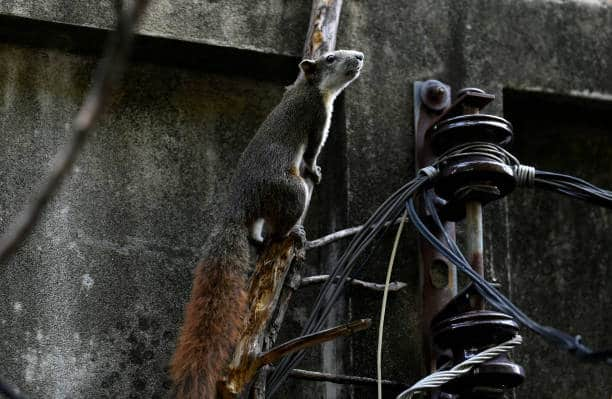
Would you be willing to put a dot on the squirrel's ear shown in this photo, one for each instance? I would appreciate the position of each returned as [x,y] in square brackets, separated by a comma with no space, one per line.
[308,67]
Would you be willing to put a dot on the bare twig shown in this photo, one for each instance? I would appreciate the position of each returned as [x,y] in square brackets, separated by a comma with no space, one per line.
[308,375]
[313,280]
[9,392]
[247,363]
[340,379]
[310,340]
[333,237]
[106,77]
[338,235]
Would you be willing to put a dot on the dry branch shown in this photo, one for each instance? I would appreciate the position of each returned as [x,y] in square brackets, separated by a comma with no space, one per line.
[313,280]
[266,284]
[246,369]
[338,235]
[341,379]
[310,340]
[105,80]
[333,237]
[321,36]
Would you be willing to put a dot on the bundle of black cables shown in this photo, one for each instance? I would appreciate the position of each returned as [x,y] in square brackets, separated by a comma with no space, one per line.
[573,187]
[369,236]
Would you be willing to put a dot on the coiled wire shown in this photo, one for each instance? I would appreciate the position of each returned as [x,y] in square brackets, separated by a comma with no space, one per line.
[479,149]
[439,378]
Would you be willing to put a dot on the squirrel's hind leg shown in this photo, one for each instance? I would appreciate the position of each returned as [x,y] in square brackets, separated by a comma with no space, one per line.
[285,208]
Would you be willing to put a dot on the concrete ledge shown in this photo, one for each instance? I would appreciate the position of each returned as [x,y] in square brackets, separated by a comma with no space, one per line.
[269,26]
[85,40]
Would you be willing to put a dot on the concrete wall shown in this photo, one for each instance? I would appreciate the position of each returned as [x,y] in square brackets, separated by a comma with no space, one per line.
[91,303]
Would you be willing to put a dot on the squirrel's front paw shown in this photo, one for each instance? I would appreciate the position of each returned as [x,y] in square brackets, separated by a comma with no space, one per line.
[315,174]
[299,235]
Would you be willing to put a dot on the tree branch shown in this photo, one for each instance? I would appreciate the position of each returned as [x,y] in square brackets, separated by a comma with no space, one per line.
[310,340]
[321,36]
[341,379]
[105,80]
[333,237]
[338,235]
[266,284]
[314,280]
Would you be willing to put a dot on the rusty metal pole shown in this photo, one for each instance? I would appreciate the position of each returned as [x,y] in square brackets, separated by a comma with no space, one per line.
[474,243]
[438,275]
[468,180]
[473,221]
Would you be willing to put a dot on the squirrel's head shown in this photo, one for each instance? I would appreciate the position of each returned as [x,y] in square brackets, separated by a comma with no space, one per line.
[333,71]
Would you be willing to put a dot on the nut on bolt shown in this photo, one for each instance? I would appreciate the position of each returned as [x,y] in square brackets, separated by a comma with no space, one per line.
[435,95]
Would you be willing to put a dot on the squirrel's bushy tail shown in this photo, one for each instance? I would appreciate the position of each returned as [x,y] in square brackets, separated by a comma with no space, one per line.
[213,315]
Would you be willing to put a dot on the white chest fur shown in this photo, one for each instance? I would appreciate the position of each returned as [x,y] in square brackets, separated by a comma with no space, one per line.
[328,101]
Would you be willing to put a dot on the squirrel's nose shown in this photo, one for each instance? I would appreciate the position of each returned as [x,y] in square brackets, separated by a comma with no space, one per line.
[359,56]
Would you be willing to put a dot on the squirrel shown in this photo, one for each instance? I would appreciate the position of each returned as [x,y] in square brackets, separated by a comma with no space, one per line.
[268,193]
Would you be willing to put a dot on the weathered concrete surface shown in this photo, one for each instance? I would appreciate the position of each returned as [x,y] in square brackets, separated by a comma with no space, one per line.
[269,26]
[91,303]
[111,259]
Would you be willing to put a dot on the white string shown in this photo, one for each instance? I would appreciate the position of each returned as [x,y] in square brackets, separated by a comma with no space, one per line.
[440,378]
[384,305]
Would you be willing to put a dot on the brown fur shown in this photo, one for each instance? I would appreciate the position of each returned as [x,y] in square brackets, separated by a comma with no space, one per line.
[213,317]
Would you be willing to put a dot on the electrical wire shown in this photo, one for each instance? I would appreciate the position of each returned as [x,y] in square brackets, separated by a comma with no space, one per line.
[330,292]
[384,306]
[480,149]
[525,175]
[439,378]
[573,187]
[556,337]
[352,259]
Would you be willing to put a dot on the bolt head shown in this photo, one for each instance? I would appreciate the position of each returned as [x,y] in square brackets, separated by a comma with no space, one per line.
[435,95]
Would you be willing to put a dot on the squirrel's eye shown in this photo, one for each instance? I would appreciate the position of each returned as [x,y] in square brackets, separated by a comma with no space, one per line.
[330,58]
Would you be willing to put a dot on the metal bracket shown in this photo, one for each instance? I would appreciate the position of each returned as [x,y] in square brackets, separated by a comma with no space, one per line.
[438,276]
